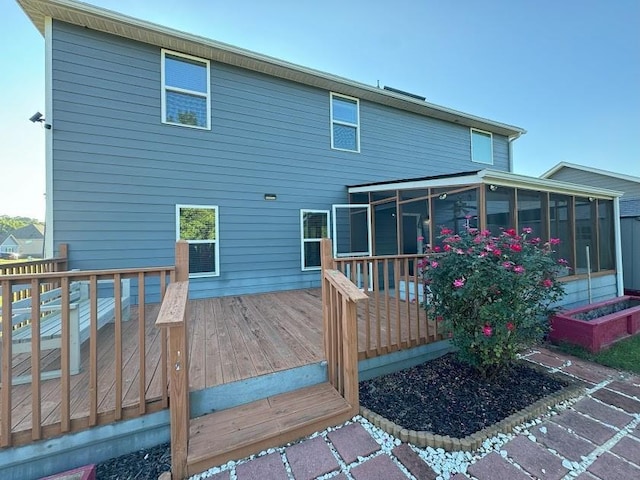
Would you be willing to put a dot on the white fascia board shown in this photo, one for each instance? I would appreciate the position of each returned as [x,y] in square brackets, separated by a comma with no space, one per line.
[556,186]
[435,183]
[584,168]
[505,179]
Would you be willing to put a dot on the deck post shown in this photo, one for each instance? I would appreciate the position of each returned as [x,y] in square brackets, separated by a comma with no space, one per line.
[326,263]
[63,257]
[175,320]
[350,352]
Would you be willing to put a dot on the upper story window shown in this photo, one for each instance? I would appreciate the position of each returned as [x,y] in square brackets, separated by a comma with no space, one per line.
[345,123]
[198,225]
[186,98]
[481,146]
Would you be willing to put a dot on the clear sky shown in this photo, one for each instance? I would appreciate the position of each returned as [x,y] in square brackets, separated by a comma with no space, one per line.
[567,71]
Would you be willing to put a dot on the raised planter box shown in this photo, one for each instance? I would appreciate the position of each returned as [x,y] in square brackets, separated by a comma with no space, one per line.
[573,326]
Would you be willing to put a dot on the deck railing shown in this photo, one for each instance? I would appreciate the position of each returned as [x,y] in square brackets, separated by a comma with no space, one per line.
[339,312]
[122,370]
[56,264]
[393,318]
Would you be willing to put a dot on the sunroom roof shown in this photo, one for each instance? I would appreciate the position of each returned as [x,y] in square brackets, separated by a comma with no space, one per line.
[487,176]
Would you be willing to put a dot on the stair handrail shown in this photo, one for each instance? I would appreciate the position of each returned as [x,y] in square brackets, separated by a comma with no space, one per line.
[173,316]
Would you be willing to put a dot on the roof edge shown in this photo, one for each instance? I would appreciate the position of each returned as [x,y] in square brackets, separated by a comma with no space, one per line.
[108,21]
[585,168]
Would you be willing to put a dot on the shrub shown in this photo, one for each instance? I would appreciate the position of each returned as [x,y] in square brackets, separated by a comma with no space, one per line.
[492,294]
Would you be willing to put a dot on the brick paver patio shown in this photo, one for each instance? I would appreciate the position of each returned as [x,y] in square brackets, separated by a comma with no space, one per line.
[596,437]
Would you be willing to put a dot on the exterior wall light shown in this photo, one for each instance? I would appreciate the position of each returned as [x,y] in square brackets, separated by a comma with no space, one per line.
[493,188]
[442,196]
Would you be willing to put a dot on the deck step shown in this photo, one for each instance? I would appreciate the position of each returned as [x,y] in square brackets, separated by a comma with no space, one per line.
[241,431]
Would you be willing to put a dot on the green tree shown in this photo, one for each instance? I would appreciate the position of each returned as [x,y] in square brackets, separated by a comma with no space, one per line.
[9,224]
[197,224]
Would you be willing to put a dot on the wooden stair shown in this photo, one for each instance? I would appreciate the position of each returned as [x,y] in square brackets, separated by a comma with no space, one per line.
[241,431]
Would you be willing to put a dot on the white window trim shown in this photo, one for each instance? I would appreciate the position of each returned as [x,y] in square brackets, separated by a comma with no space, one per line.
[216,242]
[348,124]
[164,89]
[471,130]
[310,240]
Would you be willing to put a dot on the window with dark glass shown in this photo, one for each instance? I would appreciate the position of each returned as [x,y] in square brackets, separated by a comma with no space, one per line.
[454,211]
[606,235]
[560,227]
[314,226]
[198,225]
[499,201]
[531,213]
[585,235]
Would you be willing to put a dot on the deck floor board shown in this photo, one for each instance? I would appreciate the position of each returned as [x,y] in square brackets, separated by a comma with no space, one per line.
[230,339]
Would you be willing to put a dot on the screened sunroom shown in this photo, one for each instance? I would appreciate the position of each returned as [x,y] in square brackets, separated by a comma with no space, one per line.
[402,217]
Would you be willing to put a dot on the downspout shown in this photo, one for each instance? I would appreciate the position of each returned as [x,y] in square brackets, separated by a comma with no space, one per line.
[511,140]
[48,138]
[618,240]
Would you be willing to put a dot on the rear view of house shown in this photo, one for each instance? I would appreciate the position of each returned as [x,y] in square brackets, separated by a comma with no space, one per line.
[158,135]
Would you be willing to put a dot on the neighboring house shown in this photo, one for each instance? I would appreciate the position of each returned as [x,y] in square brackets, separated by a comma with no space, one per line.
[25,242]
[629,210]
[155,135]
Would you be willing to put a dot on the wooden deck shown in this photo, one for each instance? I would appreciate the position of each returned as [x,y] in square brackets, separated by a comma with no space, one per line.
[230,339]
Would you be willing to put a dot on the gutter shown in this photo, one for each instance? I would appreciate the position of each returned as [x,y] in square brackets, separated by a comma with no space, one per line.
[512,139]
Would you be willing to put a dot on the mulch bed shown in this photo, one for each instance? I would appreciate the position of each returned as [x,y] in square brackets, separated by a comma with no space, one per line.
[145,464]
[447,397]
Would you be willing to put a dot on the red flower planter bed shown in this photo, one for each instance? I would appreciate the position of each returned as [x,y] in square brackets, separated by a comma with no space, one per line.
[599,332]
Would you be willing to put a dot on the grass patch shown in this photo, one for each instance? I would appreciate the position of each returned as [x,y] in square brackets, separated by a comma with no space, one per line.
[622,355]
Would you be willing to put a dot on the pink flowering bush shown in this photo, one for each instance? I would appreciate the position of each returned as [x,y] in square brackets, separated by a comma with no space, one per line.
[493,294]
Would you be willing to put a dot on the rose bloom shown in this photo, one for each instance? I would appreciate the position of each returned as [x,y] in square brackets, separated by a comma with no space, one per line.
[527,230]
[506,265]
[554,241]
[458,282]
[547,283]
[518,269]
[434,264]
[510,326]
[436,248]
[446,231]
[511,232]
[516,247]
[487,330]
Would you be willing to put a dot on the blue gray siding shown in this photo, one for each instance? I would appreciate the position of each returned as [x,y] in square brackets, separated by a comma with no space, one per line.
[630,188]
[119,172]
[603,287]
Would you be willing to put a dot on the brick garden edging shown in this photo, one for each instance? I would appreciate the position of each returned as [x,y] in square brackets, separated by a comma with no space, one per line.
[474,441]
